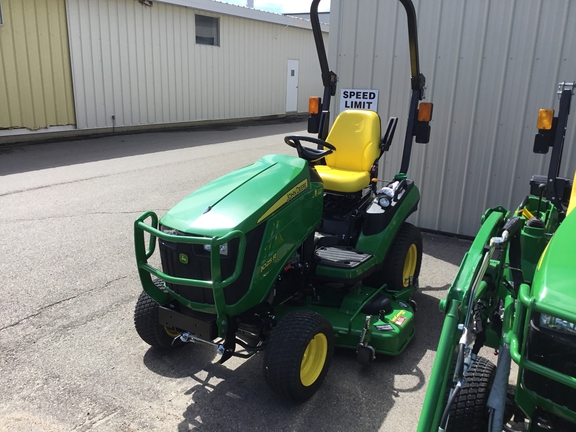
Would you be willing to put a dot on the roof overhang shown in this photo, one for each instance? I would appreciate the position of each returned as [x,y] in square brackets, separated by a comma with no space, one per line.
[244,12]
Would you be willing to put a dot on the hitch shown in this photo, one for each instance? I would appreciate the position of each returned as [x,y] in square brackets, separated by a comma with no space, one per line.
[190,338]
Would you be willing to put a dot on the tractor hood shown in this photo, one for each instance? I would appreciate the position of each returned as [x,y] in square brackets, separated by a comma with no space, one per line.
[555,278]
[240,199]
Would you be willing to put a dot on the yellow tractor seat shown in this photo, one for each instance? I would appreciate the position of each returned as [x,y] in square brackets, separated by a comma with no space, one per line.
[356,136]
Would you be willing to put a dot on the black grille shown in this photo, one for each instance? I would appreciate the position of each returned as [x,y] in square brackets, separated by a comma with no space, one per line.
[195,264]
[555,351]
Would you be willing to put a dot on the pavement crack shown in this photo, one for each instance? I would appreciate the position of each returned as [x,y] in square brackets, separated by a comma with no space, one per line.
[59,302]
[99,213]
[35,188]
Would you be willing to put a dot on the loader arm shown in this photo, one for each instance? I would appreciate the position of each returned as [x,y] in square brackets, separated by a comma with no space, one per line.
[455,307]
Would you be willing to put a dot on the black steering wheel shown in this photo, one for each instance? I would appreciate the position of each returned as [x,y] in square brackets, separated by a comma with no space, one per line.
[307,153]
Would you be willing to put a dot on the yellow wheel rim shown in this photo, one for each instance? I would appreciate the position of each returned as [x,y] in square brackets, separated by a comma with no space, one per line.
[313,359]
[410,264]
[171,332]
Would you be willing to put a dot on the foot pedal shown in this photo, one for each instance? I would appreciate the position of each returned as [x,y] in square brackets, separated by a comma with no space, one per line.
[341,257]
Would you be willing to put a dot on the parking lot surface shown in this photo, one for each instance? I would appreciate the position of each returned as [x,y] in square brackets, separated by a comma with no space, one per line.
[70,359]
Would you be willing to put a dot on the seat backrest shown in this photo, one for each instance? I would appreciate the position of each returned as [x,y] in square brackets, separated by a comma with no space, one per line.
[356,136]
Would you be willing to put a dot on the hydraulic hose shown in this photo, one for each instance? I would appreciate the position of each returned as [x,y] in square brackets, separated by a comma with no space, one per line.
[446,413]
[458,376]
[459,369]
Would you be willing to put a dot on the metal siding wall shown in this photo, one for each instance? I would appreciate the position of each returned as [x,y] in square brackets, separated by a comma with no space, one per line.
[35,79]
[489,67]
[143,65]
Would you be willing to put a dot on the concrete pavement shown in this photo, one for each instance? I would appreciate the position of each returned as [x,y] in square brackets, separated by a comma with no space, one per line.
[70,359]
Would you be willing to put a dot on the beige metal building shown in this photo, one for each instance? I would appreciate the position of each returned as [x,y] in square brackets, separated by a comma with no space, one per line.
[95,65]
[186,60]
[490,66]
[35,78]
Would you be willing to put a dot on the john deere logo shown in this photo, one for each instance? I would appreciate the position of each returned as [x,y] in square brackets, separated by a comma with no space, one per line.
[183,258]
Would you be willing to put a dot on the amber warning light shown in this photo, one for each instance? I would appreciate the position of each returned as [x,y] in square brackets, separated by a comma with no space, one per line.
[425,111]
[545,119]
[314,105]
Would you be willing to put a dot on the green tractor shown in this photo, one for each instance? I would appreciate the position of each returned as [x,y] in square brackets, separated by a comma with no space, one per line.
[291,255]
[514,293]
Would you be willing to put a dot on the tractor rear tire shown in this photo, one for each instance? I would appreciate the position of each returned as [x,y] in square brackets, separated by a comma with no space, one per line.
[146,321]
[298,355]
[403,261]
[469,412]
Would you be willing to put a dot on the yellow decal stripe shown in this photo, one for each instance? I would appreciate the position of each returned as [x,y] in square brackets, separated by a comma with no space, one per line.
[572,202]
[289,196]
[542,257]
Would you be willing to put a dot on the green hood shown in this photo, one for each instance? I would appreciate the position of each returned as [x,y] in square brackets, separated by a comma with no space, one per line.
[555,278]
[238,200]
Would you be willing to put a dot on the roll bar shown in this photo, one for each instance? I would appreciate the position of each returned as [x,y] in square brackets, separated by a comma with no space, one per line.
[555,186]
[330,79]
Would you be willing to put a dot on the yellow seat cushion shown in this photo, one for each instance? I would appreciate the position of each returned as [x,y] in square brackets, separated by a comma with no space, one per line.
[343,181]
[356,136]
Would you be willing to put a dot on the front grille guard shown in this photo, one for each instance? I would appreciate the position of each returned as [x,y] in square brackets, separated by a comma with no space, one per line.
[525,306]
[217,285]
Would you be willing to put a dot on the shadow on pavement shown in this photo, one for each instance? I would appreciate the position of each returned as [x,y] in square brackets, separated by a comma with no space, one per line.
[183,361]
[352,397]
[36,156]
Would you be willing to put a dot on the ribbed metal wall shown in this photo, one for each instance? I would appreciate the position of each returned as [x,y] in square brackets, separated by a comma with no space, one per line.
[490,66]
[143,66]
[35,78]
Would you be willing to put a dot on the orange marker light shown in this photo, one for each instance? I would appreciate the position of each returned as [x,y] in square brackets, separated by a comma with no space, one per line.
[314,105]
[425,111]
[545,118]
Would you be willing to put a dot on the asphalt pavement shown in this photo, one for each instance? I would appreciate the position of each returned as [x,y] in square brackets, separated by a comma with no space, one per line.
[70,359]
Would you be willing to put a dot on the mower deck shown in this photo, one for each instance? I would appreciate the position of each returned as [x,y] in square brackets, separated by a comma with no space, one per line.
[391,325]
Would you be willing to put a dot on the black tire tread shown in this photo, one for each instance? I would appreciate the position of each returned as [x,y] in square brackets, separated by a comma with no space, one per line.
[469,412]
[146,322]
[285,349]
[391,272]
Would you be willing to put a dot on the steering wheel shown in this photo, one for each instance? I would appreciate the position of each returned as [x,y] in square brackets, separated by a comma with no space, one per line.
[307,153]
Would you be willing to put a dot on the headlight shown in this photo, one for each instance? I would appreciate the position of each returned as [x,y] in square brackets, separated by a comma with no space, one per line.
[557,324]
[384,202]
[167,230]
[223,248]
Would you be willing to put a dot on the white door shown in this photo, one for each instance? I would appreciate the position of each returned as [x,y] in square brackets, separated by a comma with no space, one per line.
[292,86]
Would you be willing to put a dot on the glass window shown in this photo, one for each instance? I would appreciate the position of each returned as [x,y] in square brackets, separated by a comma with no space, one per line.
[207,30]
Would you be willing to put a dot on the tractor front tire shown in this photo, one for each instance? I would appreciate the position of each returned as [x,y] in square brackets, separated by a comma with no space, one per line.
[298,355]
[146,321]
[469,412]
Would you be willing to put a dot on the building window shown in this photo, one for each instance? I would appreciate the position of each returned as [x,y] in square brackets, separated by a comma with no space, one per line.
[207,30]
[1,16]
